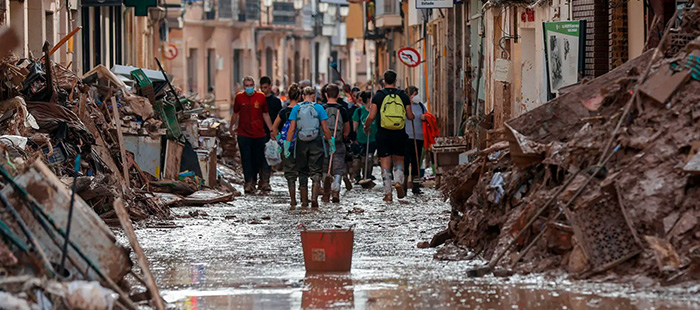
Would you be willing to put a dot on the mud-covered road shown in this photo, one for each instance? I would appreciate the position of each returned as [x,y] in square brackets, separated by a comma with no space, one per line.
[247,254]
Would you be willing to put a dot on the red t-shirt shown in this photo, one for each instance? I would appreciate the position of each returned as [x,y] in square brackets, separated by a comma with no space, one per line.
[250,111]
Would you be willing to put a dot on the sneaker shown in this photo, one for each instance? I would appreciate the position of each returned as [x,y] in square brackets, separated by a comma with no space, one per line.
[387,197]
[335,196]
[400,192]
[416,191]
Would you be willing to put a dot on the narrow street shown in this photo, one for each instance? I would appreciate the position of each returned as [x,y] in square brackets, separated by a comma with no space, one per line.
[247,254]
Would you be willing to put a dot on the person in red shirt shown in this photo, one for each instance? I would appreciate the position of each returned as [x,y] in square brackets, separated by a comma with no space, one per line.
[250,115]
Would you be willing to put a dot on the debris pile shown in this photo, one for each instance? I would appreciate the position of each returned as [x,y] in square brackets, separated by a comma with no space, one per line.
[79,153]
[604,178]
[132,130]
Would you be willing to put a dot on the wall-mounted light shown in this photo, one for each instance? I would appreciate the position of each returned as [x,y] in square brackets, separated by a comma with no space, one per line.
[344,11]
[323,7]
[298,4]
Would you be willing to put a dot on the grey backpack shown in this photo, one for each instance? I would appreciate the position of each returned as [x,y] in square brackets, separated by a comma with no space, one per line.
[308,122]
[333,115]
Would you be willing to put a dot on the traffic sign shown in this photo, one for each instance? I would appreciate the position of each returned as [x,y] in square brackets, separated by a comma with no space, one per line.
[171,52]
[409,56]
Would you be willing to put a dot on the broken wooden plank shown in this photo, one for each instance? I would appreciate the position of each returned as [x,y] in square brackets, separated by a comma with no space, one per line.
[101,148]
[207,197]
[167,199]
[662,85]
[693,164]
[143,262]
[120,138]
[88,231]
[173,157]
[666,256]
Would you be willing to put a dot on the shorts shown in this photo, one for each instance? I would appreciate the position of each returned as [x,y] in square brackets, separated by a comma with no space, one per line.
[391,143]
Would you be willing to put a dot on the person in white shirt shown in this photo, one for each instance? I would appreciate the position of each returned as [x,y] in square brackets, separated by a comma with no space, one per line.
[414,129]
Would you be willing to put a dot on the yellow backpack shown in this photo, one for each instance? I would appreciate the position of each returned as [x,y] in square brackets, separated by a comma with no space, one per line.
[393,113]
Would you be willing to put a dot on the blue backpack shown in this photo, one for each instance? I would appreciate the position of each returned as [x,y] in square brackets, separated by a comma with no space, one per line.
[283,135]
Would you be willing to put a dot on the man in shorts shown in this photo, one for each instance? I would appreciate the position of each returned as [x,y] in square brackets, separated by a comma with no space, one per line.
[393,107]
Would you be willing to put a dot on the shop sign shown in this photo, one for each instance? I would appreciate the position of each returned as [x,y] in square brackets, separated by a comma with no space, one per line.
[434,4]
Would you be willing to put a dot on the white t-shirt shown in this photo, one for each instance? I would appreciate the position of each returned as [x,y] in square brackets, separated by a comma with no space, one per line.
[418,110]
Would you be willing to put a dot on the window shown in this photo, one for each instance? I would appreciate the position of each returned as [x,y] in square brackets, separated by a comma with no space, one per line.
[192,71]
[268,62]
[211,68]
[237,66]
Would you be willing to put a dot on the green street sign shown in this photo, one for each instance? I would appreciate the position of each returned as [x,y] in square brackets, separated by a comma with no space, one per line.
[141,6]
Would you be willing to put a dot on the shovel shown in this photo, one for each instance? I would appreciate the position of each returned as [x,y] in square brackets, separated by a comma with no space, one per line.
[367,183]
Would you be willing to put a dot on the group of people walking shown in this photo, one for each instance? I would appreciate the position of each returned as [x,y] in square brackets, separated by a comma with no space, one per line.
[327,140]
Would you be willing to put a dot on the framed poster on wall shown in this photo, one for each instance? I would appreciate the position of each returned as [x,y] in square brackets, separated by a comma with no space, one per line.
[565,51]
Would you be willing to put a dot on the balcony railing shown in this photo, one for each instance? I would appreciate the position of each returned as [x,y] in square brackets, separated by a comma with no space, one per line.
[283,13]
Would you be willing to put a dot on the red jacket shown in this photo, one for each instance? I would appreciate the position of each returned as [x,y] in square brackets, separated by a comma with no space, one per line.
[430,130]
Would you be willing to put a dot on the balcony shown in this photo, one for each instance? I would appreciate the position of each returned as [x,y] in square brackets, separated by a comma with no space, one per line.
[215,13]
[284,14]
[388,13]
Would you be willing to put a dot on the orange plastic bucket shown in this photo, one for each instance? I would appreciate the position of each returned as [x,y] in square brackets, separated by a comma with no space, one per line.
[327,250]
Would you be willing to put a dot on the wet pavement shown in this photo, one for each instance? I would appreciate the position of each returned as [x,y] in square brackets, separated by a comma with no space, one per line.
[247,254]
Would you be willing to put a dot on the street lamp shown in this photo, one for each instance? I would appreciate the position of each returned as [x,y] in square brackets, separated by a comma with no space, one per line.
[322,7]
[332,10]
[344,11]
[298,4]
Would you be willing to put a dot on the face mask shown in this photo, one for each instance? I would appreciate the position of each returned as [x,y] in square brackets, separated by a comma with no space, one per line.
[249,90]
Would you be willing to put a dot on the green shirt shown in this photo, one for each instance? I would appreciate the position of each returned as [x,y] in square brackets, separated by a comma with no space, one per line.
[360,116]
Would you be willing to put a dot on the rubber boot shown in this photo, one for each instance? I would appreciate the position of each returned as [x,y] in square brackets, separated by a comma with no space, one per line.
[304,193]
[249,188]
[326,197]
[348,184]
[398,179]
[356,169]
[387,185]
[292,196]
[314,195]
[264,184]
[335,188]
[415,187]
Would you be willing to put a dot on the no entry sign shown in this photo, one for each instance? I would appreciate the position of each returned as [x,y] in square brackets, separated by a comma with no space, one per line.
[409,56]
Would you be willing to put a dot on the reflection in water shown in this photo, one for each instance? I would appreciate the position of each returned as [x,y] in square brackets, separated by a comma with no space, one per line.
[222,262]
[328,291]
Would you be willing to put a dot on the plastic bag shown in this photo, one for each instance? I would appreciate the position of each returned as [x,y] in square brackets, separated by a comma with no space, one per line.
[272,153]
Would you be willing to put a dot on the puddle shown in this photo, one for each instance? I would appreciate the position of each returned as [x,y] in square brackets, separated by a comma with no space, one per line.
[222,261]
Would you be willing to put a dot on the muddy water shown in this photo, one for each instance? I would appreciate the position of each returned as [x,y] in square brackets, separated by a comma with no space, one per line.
[247,255]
